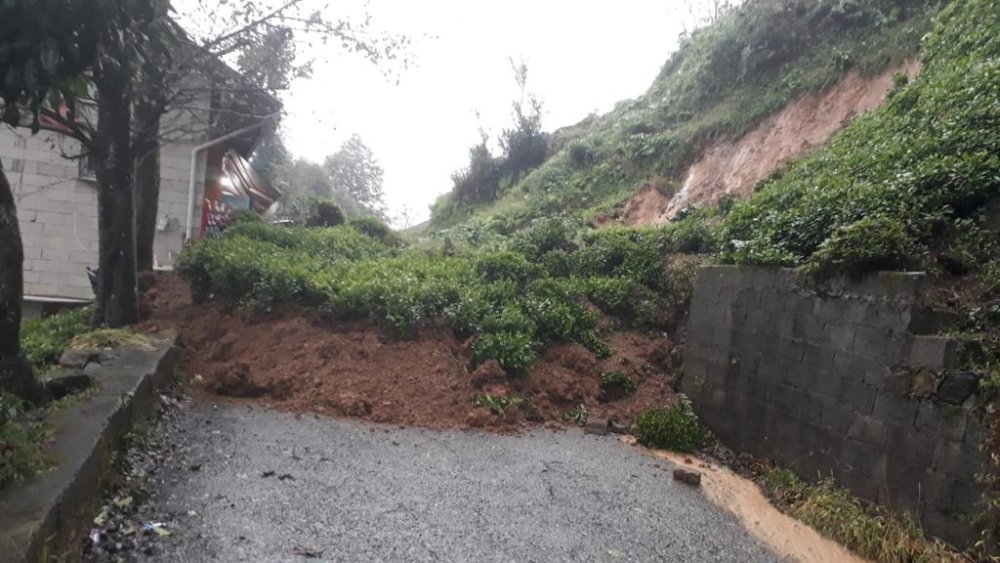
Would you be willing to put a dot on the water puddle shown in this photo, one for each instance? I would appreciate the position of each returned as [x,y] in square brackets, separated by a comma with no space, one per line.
[742,498]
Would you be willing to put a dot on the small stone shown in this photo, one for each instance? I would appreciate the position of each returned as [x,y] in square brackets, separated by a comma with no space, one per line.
[596,425]
[77,358]
[924,384]
[958,386]
[687,477]
[616,428]
[63,385]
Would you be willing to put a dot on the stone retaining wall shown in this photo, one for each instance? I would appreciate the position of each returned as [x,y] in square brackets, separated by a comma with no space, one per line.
[850,382]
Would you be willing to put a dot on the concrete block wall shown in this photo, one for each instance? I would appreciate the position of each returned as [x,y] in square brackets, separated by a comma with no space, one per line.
[844,383]
[57,209]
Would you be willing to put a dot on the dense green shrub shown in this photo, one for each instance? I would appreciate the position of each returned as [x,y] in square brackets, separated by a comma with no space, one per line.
[868,245]
[673,428]
[44,340]
[519,294]
[323,212]
[896,179]
[373,227]
[515,351]
[504,265]
[245,216]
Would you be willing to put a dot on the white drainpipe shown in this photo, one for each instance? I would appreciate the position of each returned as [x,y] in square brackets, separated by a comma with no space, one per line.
[189,229]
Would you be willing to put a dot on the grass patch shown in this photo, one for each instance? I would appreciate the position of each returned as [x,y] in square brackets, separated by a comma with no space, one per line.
[866,530]
[44,340]
[22,443]
[108,338]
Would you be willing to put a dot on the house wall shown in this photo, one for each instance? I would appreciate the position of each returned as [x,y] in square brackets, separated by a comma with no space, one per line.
[57,209]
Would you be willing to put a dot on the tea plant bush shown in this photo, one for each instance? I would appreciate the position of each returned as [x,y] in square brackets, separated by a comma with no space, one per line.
[722,80]
[891,187]
[673,428]
[547,283]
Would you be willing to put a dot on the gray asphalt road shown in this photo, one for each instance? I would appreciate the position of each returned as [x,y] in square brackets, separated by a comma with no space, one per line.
[269,487]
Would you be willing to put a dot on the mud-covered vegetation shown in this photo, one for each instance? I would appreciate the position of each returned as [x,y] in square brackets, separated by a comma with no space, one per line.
[725,78]
[552,282]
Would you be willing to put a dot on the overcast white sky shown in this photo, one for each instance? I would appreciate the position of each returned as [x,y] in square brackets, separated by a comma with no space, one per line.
[582,55]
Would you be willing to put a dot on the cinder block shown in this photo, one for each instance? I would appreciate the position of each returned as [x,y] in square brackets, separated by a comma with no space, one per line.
[850,366]
[947,421]
[827,383]
[836,417]
[858,395]
[951,457]
[895,409]
[869,430]
[934,352]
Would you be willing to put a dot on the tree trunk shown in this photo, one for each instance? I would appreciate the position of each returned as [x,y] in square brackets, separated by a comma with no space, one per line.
[147,180]
[15,372]
[117,296]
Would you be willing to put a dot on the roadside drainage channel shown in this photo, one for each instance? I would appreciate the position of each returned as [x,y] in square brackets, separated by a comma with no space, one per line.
[45,516]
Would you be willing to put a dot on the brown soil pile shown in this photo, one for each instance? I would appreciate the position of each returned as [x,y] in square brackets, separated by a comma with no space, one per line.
[302,363]
[735,166]
[647,206]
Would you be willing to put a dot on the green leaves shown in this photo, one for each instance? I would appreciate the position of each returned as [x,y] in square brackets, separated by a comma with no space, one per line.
[890,183]
[673,428]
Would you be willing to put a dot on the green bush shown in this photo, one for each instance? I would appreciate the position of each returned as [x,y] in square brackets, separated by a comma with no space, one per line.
[896,180]
[515,296]
[868,245]
[373,227]
[514,351]
[44,340]
[244,216]
[323,212]
[504,265]
[673,428]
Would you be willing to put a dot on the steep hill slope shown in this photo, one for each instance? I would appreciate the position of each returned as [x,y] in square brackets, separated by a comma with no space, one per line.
[724,80]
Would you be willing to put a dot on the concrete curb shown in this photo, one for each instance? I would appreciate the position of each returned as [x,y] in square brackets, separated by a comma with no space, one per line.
[47,516]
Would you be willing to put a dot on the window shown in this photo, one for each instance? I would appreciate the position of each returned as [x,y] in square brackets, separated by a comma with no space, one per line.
[88,168]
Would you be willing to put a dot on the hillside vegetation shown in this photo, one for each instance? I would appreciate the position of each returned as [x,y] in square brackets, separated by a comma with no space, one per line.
[553,282]
[724,79]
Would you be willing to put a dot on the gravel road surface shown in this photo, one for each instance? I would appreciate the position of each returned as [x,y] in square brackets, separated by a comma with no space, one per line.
[243,483]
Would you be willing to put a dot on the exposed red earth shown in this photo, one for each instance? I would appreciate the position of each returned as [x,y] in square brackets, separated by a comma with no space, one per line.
[299,361]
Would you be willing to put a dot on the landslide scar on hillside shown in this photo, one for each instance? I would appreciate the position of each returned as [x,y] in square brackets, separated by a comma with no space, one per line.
[735,166]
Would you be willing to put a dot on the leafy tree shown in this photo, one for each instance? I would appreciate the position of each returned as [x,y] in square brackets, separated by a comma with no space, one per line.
[354,171]
[524,145]
[46,46]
